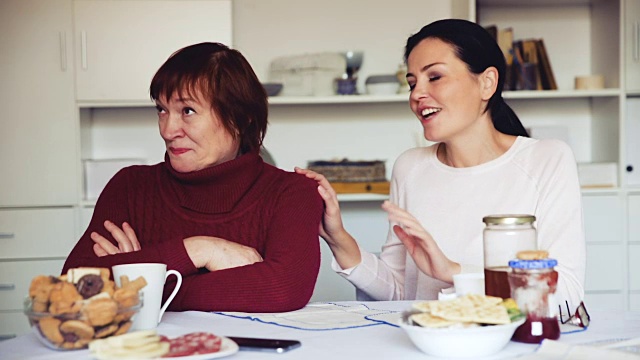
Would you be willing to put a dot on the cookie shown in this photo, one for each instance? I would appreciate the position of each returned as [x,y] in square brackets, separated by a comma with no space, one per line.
[126,297]
[65,307]
[79,328]
[109,287]
[105,331]
[50,328]
[64,292]
[39,306]
[100,312]
[532,254]
[136,284]
[124,327]
[40,285]
[89,285]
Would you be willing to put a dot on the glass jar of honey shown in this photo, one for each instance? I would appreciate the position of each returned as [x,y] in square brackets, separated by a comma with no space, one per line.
[533,286]
[503,237]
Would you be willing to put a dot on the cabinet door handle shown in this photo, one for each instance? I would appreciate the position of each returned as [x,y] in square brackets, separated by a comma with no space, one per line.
[63,50]
[83,42]
[636,41]
[7,235]
[7,287]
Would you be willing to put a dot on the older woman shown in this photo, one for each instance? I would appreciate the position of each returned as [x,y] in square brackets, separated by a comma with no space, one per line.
[483,163]
[243,233]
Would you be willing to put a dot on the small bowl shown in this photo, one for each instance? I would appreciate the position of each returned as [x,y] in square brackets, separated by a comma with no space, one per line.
[382,84]
[272,89]
[454,342]
[78,332]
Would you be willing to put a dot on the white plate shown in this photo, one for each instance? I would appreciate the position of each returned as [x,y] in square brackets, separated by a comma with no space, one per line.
[227,347]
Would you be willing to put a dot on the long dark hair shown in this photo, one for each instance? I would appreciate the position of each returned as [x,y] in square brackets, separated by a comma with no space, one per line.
[225,78]
[479,50]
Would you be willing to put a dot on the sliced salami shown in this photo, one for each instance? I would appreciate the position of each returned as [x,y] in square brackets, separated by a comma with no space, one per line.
[193,343]
[179,347]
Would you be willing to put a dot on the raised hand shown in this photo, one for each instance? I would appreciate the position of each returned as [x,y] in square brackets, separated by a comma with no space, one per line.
[423,249]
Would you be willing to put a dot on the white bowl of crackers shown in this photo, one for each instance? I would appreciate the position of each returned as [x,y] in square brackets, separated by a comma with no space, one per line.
[67,312]
[469,326]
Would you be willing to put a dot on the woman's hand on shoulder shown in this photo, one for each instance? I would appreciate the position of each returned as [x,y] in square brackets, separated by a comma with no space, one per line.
[125,237]
[343,246]
[423,249]
[215,253]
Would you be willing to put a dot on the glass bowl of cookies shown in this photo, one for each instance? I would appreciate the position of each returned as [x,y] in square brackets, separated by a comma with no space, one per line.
[469,326]
[67,312]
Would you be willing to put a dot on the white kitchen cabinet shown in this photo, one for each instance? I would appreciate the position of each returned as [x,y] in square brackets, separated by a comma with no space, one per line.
[632,45]
[37,233]
[632,142]
[633,224]
[15,279]
[12,324]
[604,231]
[121,44]
[38,140]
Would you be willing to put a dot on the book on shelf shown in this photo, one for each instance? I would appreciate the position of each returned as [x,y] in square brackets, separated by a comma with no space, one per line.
[504,38]
[528,65]
[546,72]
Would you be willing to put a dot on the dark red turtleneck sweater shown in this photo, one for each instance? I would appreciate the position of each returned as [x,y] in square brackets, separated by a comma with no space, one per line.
[243,200]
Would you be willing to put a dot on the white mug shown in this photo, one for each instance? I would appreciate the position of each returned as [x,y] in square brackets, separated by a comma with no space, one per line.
[469,283]
[156,275]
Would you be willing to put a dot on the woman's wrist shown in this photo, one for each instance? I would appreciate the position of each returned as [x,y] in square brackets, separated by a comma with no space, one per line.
[345,250]
[191,244]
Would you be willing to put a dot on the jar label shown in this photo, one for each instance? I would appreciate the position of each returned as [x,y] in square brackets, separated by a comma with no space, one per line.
[536,328]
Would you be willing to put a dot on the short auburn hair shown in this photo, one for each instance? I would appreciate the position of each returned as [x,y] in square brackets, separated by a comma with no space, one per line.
[223,77]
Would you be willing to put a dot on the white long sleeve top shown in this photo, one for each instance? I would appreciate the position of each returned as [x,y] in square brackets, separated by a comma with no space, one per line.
[536,177]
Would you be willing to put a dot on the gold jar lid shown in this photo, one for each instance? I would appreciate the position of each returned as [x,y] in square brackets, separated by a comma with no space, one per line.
[509,219]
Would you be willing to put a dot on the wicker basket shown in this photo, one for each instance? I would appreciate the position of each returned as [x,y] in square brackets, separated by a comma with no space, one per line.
[350,171]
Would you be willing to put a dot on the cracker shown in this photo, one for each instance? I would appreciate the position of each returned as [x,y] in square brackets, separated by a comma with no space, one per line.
[423,306]
[427,320]
[472,308]
[495,315]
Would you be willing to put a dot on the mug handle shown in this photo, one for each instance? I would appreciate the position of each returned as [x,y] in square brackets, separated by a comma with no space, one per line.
[173,293]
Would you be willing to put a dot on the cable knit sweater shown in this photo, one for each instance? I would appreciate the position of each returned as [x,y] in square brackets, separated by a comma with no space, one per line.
[243,200]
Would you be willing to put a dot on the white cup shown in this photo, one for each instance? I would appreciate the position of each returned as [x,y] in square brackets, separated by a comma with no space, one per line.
[469,283]
[156,275]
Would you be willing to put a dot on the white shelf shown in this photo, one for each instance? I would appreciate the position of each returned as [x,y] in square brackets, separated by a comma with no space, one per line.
[592,191]
[362,197]
[338,99]
[115,104]
[365,99]
[560,94]
[525,3]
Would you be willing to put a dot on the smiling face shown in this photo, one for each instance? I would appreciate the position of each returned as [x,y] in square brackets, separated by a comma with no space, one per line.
[194,136]
[446,97]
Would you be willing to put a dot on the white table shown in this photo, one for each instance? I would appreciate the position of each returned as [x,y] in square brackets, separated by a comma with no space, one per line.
[372,342]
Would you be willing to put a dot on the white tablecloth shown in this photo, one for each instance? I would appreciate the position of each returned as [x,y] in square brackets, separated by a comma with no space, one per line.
[379,341]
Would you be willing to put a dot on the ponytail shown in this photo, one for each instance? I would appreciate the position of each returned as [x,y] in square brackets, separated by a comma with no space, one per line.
[504,118]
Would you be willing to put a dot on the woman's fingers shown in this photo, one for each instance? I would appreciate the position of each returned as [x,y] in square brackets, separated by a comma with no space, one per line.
[99,251]
[124,243]
[106,245]
[131,235]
